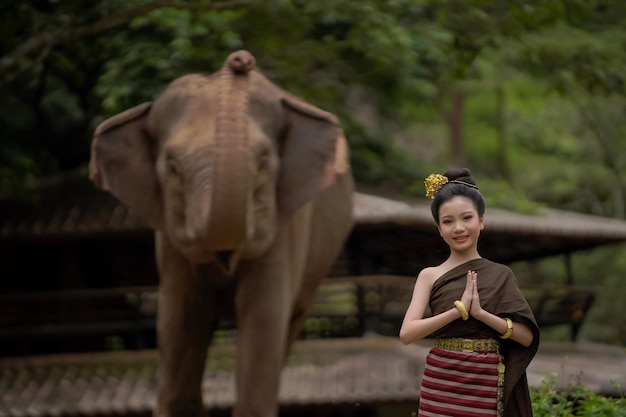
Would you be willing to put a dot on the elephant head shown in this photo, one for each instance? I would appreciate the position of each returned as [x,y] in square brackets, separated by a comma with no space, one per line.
[215,162]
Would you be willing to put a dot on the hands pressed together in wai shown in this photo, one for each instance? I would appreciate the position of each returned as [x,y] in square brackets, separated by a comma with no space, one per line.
[469,305]
[470,297]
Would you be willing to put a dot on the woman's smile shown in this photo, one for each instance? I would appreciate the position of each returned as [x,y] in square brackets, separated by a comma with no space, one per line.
[459,223]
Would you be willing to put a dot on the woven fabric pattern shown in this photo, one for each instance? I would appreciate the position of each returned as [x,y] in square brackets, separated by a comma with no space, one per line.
[459,384]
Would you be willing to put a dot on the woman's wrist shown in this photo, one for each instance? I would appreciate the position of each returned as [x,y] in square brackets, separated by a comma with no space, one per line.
[479,315]
[461,309]
[509,329]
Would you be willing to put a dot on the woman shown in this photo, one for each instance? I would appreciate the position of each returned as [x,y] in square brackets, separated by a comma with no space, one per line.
[485,332]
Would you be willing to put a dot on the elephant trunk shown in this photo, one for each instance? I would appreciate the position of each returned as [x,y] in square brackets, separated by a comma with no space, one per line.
[233,173]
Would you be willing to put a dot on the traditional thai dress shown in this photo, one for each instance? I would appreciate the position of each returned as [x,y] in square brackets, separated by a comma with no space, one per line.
[471,371]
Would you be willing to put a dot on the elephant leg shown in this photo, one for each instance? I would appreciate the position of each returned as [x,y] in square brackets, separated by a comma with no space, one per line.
[301,311]
[185,322]
[264,301]
[331,223]
[260,353]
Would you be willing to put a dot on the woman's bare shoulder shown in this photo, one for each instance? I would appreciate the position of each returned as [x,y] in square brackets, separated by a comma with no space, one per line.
[429,274]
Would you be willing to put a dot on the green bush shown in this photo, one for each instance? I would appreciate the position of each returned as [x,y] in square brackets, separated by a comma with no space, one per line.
[575,401]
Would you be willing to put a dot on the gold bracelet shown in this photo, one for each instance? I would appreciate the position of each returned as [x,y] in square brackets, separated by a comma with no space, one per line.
[461,307]
[509,329]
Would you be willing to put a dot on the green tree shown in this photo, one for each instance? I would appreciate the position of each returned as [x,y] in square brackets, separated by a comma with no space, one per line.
[65,65]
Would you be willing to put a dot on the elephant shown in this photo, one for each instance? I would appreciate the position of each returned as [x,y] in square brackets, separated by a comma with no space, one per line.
[249,191]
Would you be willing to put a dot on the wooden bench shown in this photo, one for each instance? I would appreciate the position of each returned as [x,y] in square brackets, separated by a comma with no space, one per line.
[125,318]
[378,303]
[75,320]
[362,304]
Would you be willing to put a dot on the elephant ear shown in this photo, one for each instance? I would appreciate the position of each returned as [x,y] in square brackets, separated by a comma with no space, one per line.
[314,154]
[123,162]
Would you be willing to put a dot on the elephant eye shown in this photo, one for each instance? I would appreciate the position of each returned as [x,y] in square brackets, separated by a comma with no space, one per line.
[263,163]
[174,173]
[262,171]
[172,167]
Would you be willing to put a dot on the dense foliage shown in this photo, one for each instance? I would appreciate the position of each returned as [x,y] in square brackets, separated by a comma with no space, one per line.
[453,82]
[530,95]
[574,401]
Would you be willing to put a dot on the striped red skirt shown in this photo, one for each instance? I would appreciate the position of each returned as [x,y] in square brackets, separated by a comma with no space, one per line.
[459,384]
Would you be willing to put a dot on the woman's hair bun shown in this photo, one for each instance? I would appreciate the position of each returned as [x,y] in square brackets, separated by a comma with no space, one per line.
[456,182]
[460,174]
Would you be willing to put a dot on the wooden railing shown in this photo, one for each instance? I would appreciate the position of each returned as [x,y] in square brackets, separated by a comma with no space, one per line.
[124,318]
[555,305]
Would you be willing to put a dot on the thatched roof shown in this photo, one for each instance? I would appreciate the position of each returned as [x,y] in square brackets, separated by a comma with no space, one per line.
[320,372]
[404,233]
[391,236]
[349,373]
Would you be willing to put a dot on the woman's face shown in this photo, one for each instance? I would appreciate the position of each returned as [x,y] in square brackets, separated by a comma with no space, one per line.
[460,224]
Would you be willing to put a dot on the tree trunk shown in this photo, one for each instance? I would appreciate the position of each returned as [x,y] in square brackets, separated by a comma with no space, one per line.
[454,119]
[501,157]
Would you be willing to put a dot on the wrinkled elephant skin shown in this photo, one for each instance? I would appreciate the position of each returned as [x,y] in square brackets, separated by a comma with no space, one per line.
[249,191]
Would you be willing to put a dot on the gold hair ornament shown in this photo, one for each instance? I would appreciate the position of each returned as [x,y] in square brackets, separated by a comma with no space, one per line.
[433,183]
[465,183]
